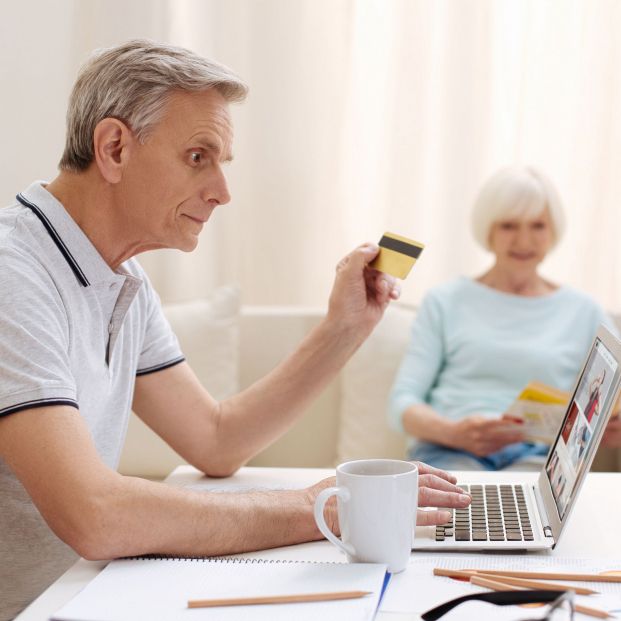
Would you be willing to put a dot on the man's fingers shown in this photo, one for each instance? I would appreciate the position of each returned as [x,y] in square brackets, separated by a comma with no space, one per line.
[358,258]
[431,518]
[429,497]
[436,482]
[365,253]
[427,469]
[383,284]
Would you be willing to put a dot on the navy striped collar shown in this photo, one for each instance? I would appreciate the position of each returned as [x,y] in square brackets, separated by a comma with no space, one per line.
[56,238]
[88,266]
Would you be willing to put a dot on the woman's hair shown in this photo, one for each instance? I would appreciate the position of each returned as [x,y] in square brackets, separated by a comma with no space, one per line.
[133,83]
[516,192]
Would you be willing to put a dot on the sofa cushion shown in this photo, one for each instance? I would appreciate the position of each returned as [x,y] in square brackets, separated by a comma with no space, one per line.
[208,331]
[366,382]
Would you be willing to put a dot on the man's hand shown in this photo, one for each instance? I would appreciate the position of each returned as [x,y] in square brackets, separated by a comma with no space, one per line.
[361,294]
[329,512]
[436,488]
[612,434]
[483,436]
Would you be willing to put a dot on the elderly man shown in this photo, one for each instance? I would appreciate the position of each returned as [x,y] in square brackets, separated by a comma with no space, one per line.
[83,338]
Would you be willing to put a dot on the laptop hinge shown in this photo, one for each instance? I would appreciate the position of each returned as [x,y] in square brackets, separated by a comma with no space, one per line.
[547,529]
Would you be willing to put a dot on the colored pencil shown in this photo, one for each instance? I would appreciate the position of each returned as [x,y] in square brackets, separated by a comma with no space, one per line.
[497,585]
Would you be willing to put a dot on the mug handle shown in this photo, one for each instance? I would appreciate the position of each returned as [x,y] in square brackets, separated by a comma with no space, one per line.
[320,503]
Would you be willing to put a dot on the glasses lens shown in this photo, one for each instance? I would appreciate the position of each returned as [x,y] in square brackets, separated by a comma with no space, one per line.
[562,609]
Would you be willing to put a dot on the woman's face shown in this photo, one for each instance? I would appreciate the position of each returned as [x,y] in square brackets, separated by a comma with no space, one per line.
[520,244]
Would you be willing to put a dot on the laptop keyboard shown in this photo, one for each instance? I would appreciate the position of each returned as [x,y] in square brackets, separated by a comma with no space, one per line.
[497,513]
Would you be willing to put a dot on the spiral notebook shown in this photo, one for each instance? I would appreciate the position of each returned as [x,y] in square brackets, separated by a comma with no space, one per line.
[158,589]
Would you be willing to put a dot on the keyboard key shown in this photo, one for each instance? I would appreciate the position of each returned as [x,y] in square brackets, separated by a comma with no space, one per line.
[496,513]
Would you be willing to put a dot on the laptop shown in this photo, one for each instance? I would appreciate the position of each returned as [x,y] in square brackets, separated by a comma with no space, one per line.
[533,516]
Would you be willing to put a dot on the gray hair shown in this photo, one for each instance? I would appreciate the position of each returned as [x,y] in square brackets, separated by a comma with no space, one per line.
[133,82]
[516,192]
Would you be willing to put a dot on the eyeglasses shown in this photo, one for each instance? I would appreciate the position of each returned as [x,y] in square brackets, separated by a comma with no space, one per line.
[560,603]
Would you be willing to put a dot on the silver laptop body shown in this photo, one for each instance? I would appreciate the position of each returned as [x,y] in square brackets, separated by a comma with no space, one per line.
[542,510]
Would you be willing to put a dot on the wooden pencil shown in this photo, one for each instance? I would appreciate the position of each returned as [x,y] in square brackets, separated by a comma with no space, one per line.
[466,574]
[535,584]
[276,599]
[537,575]
[544,575]
[497,585]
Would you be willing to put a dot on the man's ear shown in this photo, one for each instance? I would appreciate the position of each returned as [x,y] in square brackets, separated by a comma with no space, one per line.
[112,143]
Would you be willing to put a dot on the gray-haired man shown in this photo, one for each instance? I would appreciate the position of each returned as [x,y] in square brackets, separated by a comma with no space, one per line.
[83,338]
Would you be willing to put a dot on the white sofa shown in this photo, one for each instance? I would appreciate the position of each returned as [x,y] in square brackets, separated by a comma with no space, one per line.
[230,348]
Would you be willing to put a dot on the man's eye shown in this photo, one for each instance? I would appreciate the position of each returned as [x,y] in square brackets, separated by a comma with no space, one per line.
[196,157]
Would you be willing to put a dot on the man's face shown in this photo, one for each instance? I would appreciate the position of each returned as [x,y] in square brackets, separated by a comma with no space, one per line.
[174,180]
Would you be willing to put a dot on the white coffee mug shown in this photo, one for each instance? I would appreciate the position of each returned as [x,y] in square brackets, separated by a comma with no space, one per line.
[377,501]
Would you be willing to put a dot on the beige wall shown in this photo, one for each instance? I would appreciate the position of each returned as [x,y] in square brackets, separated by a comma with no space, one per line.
[341,140]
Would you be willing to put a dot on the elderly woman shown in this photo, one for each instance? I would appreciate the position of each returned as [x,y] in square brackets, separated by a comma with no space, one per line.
[477,342]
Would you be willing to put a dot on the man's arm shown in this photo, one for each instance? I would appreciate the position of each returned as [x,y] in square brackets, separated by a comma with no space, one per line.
[218,438]
[102,514]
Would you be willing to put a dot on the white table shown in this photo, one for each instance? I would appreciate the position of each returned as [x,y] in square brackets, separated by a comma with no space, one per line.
[592,531]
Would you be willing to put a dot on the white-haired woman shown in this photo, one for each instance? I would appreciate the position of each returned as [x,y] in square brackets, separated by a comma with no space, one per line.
[476,342]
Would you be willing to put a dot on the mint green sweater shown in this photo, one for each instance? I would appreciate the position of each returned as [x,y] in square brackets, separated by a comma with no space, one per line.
[473,348]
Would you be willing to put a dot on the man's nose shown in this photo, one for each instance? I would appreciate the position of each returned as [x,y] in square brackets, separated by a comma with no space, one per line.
[216,190]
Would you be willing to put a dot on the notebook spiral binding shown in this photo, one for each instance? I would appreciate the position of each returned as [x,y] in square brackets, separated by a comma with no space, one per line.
[222,559]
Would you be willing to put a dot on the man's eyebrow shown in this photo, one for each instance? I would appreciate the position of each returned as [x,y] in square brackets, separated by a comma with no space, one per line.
[211,146]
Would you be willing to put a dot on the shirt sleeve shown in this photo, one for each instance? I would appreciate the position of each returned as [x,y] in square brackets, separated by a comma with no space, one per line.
[35,368]
[422,362]
[160,348]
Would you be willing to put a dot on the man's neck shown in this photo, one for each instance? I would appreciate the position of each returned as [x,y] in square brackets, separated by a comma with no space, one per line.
[90,201]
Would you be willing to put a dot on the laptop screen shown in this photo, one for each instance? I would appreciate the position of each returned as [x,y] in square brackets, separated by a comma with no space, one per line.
[583,421]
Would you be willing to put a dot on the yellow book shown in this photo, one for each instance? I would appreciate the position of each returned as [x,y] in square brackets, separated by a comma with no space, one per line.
[540,408]
[542,393]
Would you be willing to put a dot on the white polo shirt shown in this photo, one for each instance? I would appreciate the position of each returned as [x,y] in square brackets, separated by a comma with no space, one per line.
[72,332]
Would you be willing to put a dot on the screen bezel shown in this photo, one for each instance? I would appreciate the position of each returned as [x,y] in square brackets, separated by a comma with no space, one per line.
[556,523]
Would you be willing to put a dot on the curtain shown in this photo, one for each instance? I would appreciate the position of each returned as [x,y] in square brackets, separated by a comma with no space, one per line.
[364,116]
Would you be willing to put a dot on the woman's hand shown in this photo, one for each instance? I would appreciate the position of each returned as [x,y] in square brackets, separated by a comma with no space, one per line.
[483,436]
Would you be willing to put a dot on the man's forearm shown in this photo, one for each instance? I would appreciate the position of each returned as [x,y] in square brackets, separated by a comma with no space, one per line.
[102,514]
[251,420]
[133,516]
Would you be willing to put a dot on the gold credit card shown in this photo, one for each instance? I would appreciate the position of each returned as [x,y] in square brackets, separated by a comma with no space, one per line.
[397,255]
